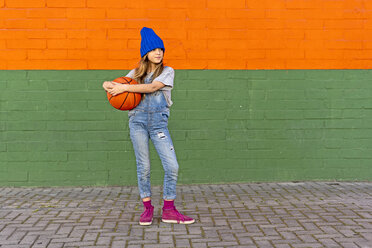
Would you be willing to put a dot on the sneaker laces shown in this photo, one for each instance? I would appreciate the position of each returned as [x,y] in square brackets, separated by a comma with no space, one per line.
[147,211]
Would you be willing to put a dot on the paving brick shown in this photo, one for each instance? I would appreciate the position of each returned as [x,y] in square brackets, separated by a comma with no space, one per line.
[55,245]
[118,244]
[28,239]
[134,246]
[282,246]
[199,245]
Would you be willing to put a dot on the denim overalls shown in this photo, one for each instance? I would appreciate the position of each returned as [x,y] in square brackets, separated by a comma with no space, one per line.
[150,120]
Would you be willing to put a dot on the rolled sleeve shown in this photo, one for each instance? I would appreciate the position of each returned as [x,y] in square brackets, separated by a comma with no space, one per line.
[166,77]
[131,73]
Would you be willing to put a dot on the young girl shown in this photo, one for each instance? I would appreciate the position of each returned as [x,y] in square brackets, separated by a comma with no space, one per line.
[150,120]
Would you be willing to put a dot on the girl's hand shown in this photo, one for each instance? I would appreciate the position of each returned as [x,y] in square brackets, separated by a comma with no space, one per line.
[108,85]
[117,89]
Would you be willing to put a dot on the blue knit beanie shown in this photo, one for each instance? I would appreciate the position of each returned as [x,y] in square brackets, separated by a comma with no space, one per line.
[150,41]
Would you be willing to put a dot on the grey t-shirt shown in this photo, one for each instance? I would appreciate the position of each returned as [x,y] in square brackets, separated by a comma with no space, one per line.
[166,77]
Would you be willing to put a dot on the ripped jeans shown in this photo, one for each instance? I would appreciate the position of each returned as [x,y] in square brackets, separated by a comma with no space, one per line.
[145,124]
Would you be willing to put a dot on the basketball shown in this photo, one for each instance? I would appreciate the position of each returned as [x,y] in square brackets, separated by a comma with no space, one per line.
[125,100]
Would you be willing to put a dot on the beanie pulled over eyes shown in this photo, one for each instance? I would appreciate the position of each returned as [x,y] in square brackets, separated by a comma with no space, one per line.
[150,41]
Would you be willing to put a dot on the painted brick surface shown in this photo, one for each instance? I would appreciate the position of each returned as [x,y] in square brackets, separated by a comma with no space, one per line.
[198,34]
[57,127]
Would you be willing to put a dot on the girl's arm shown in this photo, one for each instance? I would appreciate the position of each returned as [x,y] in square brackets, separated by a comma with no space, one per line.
[138,88]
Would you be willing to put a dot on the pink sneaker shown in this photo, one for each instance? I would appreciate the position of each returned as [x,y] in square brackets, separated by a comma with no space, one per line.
[173,216]
[146,216]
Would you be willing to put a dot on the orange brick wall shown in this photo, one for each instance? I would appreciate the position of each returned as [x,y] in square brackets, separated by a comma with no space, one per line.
[198,34]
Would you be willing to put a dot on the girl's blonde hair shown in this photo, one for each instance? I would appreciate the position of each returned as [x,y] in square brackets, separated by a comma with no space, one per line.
[141,71]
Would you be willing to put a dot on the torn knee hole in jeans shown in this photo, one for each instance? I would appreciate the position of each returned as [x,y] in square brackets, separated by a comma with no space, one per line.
[161,135]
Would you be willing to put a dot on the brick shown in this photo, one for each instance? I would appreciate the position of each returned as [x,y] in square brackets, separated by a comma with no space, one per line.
[32,44]
[105,24]
[66,44]
[48,156]
[19,146]
[47,54]
[15,34]
[143,3]
[55,176]
[105,44]
[65,24]
[66,3]
[24,24]
[222,4]
[119,13]
[45,12]
[45,34]
[15,176]
[28,4]
[13,55]
[26,126]
[112,3]
[85,13]
[87,156]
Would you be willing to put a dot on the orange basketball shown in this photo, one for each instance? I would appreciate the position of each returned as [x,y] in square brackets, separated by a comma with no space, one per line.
[125,100]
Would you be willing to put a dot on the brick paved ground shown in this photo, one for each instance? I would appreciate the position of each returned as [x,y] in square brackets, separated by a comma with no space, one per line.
[310,214]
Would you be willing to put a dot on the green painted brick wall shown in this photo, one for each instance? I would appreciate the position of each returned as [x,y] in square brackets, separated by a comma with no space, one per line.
[58,129]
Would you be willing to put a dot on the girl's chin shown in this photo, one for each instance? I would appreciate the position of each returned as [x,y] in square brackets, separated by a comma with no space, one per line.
[157,62]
